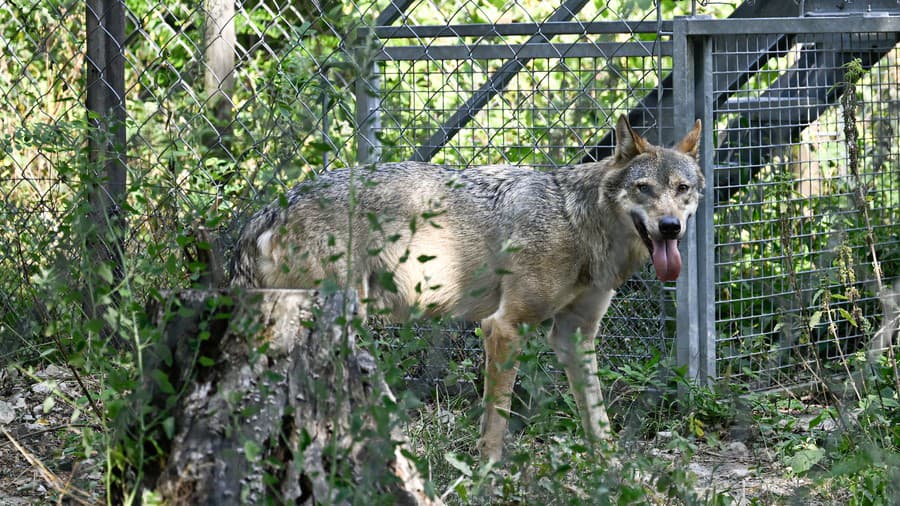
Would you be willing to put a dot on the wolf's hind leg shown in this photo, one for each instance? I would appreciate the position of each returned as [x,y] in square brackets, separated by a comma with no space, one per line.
[572,338]
[501,349]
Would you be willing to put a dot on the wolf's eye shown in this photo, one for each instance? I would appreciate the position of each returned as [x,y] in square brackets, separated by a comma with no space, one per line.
[682,188]
[643,187]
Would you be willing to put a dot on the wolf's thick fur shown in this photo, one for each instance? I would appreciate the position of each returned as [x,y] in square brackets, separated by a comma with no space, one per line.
[501,244]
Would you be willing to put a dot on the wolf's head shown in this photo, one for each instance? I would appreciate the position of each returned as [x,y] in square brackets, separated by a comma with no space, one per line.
[659,188]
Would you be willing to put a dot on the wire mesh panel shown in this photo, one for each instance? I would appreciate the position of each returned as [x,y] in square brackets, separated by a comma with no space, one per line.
[547,104]
[807,201]
[547,115]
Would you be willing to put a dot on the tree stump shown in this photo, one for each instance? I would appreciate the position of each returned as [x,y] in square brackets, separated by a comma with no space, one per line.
[263,397]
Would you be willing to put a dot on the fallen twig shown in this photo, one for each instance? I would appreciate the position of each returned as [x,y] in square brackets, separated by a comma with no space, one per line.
[73,493]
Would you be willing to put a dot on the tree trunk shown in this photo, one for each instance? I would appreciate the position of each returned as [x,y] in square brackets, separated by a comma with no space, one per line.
[219,38]
[264,397]
[105,178]
[218,77]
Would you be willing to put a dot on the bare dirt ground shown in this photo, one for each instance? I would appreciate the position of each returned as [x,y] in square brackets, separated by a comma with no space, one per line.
[749,475]
[38,430]
[38,463]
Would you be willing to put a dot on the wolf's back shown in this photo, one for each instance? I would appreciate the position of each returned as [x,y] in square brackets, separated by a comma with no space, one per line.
[330,187]
[483,207]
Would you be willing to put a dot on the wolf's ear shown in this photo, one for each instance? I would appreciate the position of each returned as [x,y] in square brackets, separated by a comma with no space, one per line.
[690,145]
[628,143]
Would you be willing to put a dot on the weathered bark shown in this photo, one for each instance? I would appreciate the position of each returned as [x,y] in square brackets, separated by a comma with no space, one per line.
[270,400]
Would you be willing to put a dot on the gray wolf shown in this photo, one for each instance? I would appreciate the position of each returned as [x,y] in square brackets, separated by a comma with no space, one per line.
[505,245]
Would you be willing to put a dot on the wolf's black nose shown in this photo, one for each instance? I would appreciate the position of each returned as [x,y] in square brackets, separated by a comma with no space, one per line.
[669,227]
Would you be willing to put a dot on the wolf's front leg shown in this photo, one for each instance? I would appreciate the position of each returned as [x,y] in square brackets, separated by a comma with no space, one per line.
[501,349]
[572,338]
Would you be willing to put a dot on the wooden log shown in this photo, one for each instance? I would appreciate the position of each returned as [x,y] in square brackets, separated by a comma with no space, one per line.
[264,397]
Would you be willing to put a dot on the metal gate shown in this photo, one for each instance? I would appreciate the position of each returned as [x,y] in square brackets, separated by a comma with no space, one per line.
[779,278]
[799,230]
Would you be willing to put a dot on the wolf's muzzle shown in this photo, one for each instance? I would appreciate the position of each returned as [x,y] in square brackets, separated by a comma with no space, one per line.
[669,227]
[664,248]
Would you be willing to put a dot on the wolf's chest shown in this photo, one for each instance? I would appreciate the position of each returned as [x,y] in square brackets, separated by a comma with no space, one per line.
[614,263]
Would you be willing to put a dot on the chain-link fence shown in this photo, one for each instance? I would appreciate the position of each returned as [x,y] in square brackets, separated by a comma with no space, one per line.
[226,104]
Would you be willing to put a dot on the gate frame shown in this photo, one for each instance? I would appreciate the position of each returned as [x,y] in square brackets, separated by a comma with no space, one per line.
[696,335]
[693,87]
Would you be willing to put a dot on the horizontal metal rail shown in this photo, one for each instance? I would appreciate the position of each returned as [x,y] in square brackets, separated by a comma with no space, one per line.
[512,29]
[848,24]
[528,51]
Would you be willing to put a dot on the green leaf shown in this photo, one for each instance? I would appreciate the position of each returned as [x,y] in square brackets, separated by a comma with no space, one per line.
[509,247]
[169,427]
[94,325]
[804,460]
[458,463]
[427,215]
[105,272]
[273,376]
[847,316]
[461,491]
[162,380]
[183,240]
[373,222]
[386,280]
[815,319]
[206,361]
[630,495]
[817,420]
[251,450]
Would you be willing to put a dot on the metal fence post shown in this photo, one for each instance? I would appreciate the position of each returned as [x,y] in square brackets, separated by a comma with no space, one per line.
[695,295]
[687,349]
[705,225]
[368,85]
[368,118]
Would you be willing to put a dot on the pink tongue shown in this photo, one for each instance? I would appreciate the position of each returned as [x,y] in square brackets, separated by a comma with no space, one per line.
[666,259]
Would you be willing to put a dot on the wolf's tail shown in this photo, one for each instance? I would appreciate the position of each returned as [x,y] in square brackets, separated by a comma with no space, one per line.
[245,260]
